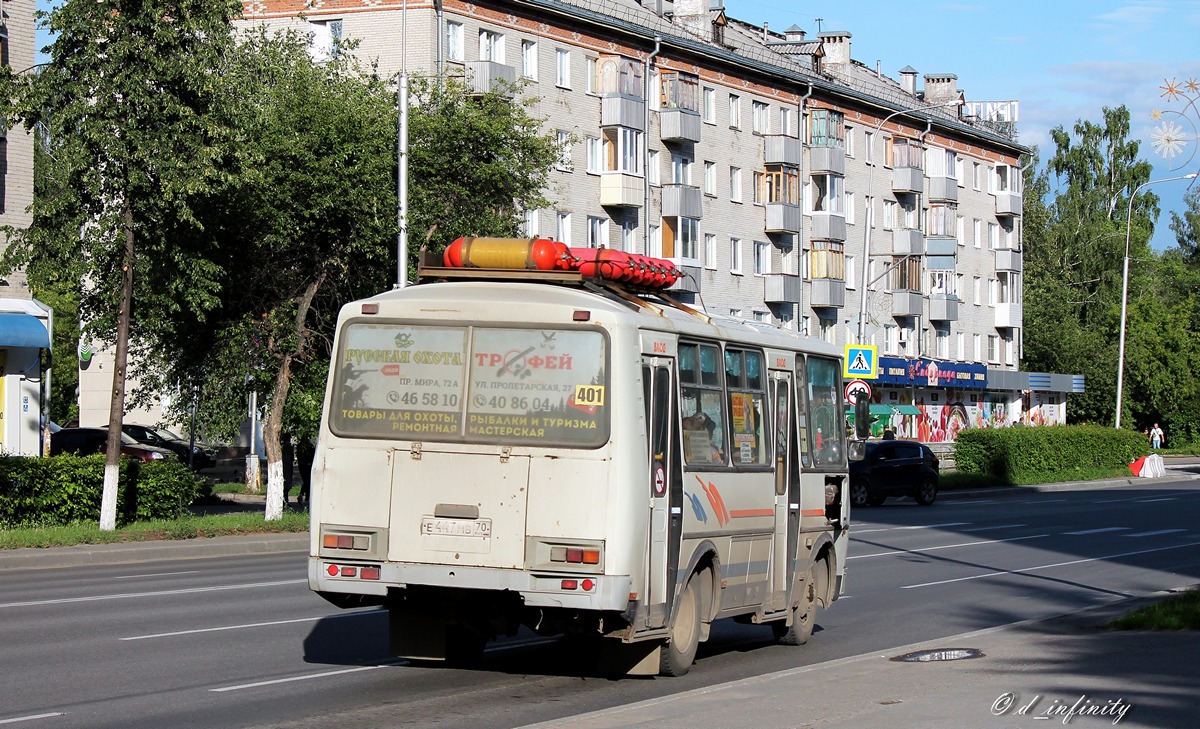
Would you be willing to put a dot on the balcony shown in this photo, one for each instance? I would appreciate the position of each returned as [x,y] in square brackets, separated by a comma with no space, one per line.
[830,160]
[943,188]
[908,242]
[1008,260]
[782,288]
[690,282]
[783,218]
[828,226]
[943,308]
[940,246]
[681,201]
[620,190]
[780,149]
[828,292]
[1008,316]
[491,77]
[907,303]
[908,179]
[679,125]
[619,110]
[1009,204]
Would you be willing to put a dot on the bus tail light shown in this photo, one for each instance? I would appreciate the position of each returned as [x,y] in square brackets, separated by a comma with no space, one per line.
[362,572]
[580,555]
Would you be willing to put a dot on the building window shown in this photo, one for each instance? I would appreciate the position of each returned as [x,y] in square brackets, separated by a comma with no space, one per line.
[562,68]
[563,230]
[681,170]
[616,75]
[564,150]
[622,150]
[849,205]
[735,111]
[993,236]
[710,178]
[826,128]
[976,175]
[850,142]
[529,227]
[904,152]
[627,230]
[655,242]
[850,278]
[710,105]
[787,121]
[977,231]
[827,193]
[906,274]
[827,259]
[762,258]
[942,220]
[941,339]
[491,46]
[960,346]
[828,329]
[960,230]
[941,163]
[869,147]
[710,250]
[891,339]
[529,60]
[597,232]
[941,284]
[454,41]
[591,73]
[993,348]
[594,148]
[977,346]
[1008,287]
[652,174]
[761,316]
[735,255]
[680,238]
[325,38]
[735,184]
[680,91]
[975,286]
[889,214]
[760,122]
[993,292]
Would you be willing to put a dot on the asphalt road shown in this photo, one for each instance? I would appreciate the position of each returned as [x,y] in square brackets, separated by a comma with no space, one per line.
[241,642]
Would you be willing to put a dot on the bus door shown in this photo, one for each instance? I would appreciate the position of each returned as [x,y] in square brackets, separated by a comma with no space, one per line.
[787,491]
[664,485]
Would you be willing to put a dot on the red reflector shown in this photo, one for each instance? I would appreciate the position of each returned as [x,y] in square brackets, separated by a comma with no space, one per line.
[591,556]
[369,573]
[370,308]
[574,555]
[581,316]
[349,572]
[587,585]
[570,584]
[332,570]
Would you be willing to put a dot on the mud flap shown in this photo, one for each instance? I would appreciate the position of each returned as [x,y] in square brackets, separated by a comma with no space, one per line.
[629,659]
[412,634]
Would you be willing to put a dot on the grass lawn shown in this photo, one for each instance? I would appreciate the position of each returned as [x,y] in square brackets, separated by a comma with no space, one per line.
[1179,612]
[190,527]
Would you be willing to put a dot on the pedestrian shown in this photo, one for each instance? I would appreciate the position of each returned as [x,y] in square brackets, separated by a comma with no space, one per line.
[305,453]
[1156,437]
[889,434]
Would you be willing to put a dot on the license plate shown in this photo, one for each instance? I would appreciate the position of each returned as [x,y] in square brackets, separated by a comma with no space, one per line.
[434,527]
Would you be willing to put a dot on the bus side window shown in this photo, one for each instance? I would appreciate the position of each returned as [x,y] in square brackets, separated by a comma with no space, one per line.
[701,405]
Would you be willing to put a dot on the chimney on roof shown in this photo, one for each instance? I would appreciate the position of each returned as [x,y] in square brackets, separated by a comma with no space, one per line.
[908,80]
[837,47]
[940,87]
[692,15]
[794,34]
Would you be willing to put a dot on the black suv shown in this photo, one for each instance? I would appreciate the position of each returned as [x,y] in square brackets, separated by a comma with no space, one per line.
[894,468]
[86,441]
[201,457]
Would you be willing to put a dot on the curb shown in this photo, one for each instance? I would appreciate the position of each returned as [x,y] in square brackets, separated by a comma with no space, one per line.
[127,552]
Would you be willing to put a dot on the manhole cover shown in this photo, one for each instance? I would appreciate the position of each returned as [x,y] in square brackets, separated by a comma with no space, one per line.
[940,654]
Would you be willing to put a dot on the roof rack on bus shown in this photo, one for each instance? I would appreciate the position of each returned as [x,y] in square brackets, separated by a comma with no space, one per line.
[637,282]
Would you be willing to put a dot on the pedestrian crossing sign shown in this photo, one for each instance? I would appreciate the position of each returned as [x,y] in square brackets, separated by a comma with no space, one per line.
[862,362]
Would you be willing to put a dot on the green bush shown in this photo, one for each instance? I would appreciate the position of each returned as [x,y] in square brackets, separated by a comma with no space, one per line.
[67,489]
[1021,455]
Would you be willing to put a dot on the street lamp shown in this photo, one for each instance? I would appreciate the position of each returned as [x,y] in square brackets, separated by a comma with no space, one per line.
[1125,287]
[862,294]
[402,155]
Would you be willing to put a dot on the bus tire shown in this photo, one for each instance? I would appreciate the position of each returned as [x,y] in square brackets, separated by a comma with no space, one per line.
[675,658]
[803,615]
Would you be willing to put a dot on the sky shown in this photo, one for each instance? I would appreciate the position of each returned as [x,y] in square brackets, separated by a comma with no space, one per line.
[1062,60]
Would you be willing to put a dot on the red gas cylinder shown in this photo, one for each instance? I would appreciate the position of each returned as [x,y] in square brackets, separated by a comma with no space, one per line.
[541,254]
[602,263]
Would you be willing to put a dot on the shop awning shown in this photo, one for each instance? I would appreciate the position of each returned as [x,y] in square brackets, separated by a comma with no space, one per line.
[877,409]
[22,330]
[907,409]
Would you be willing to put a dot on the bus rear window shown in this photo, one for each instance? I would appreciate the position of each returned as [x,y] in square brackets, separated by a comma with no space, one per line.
[482,385]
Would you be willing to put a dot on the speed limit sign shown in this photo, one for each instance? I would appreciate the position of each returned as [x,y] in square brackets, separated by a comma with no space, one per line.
[856,389]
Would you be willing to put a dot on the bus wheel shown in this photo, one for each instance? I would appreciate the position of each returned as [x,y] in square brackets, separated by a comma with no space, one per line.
[675,658]
[803,615]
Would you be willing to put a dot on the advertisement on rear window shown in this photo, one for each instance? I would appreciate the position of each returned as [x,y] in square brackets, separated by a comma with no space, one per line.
[510,386]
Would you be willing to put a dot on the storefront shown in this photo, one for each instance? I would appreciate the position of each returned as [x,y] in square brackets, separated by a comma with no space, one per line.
[25,327]
[932,400]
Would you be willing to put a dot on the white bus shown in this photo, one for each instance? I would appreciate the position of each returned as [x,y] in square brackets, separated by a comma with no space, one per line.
[543,451]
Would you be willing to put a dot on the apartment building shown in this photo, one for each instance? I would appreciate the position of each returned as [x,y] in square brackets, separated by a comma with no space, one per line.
[795,185]
[25,323]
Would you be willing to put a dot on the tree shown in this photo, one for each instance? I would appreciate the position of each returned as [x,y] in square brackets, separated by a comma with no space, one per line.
[128,99]
[1187,227]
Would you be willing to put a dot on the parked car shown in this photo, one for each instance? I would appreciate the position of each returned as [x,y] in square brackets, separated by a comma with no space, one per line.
[202,456]
[86,441]
[894,468]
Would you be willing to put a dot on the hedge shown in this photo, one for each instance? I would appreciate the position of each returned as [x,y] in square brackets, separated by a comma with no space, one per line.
[1023,455]
[67,489]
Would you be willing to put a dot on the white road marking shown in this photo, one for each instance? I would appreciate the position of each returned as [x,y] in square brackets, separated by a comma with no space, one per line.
[1151,501]
[973,502]
[130,595]
[1049,566]
[1096,531]
[1154,533]
[32,717]
[989,528]
[253,625]
[923,526]
[156,574]
[944,546]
